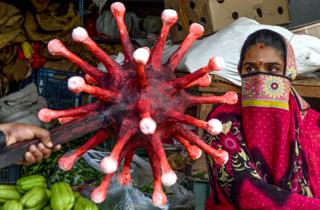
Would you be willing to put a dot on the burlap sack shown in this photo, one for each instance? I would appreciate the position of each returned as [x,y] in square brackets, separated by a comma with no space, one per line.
[17,70]
[10,24]
[58,17]
[40,5]
[4,85]
[7,54]
[22,106]
[56,21]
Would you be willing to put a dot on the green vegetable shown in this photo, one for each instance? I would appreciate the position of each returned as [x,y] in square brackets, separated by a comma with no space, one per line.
[34,197]
[47,208]
[48,192]
[84,204]
[3,200]
[76,194]
[9,192]
[81,173]
[27,183]
[38,207]
[62,196]
[7,187]
[12,205]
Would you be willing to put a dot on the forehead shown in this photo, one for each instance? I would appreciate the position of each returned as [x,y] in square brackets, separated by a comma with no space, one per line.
[264,54]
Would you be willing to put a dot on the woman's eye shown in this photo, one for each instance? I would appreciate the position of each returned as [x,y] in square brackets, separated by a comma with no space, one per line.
[273,69]
[251,69]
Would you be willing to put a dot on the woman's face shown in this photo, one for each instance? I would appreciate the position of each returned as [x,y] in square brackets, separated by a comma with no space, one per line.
[261,58]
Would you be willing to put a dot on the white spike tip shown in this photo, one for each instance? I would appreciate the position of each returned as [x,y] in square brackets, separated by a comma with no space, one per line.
[76,84]
[109,165]
[142,55]
[79,34]
[55,46]
[169,16]
[214,126]
[147,125]
[168,179]
[196,29]
[118,7]
[97,196]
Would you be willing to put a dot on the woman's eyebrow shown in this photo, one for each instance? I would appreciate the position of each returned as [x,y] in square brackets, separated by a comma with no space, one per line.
[249,63]
[273,63]
[254,63]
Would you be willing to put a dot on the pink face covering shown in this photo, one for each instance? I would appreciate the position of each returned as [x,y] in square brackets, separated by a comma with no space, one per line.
[262,90]
[267,125]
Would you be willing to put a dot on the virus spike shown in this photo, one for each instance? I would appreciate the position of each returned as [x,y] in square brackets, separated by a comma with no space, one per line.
[147,125]
[220,156]
[77,84]
[141,57]
[109,164]
[90,80]
[66,162]
[99,194]
[80,34]
[159,199]
[195,31]
[214,64]
[118,10]
[56,47]
[47,115]
[203,81]
[64,120]
[169,18]
[228,98]
[213,126]
[139,98]
[194,152]
[168,177]
[124,177]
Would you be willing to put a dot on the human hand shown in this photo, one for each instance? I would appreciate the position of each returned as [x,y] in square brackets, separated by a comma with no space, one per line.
[18,132]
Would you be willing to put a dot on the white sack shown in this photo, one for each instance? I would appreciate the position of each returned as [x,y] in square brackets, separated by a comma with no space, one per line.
[228,42]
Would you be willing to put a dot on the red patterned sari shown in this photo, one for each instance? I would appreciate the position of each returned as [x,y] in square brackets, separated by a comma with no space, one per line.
[273,139]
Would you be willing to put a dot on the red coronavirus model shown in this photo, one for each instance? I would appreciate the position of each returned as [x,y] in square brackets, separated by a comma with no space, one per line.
[145,103]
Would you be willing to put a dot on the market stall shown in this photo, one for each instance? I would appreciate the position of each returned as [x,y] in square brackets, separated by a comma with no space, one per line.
[127,97]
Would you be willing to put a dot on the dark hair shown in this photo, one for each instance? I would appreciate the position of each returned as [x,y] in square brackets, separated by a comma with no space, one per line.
[266,37]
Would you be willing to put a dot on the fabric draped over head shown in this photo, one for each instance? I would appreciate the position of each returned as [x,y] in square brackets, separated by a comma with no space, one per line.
[273,143]
[290,61]
[270,119]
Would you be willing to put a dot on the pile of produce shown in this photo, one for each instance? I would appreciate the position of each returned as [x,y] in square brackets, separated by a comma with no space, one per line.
[32,193]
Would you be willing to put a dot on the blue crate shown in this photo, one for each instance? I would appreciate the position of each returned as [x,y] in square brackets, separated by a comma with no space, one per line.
[10,174]
[53,86]
[201,191]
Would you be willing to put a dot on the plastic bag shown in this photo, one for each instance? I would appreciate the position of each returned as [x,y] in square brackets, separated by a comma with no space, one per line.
[130,197]
[22,106]
[126,198]
[106,24]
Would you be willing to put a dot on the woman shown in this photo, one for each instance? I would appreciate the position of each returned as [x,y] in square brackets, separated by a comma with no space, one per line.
[271,134]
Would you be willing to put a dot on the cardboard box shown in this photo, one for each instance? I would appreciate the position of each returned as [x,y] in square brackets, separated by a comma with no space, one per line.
[216,14]
[312,29]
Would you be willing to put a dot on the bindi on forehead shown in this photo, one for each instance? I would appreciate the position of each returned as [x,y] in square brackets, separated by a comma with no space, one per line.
[263,53]
[261,45]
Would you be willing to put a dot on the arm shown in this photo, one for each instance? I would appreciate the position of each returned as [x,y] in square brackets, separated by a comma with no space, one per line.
[17,132]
